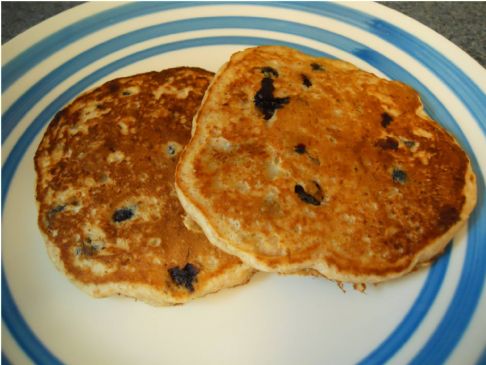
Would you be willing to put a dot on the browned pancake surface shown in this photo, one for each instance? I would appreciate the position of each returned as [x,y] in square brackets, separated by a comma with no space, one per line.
[300,162]
[105,189]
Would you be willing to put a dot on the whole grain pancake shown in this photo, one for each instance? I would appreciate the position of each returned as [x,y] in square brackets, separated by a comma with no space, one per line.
[105,189]
[305,163]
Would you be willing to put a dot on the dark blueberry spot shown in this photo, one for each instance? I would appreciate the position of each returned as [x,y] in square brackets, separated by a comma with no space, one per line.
[51,214]
[265,101]
[300,148]
[386,119]
[185,276]
[122,214]
[448,215]
[306,197]
[126,93]
[387,144]
[399,176]
[171,150]
[409,144]
[269,71]
[306,81]
[55,210]
[317,67]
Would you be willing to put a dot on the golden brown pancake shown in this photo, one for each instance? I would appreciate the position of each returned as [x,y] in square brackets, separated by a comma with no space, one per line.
[105,189]
[305,163]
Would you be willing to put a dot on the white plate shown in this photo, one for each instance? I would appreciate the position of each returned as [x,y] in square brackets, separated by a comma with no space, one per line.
[429,317]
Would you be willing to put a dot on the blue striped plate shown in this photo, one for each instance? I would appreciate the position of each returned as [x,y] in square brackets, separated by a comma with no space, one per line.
[432,316]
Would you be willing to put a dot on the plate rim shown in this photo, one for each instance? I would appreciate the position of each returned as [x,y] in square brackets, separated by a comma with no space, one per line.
[477,121]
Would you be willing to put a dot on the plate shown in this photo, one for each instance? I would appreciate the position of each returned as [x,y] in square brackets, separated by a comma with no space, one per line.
[432,316]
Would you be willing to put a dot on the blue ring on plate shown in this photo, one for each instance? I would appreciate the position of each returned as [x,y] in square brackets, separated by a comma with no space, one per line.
[5,359]
[482,358]
[434,279]
[358,12]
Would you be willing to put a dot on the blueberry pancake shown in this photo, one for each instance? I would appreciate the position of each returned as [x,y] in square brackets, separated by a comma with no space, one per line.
[304,163]
[105,190]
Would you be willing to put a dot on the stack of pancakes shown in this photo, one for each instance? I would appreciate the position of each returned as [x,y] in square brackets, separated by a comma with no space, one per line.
[296,164]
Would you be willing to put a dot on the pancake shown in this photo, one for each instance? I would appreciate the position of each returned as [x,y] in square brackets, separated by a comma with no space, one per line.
[305,163]
[105,190]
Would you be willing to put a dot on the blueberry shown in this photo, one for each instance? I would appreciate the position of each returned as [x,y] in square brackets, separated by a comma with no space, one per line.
[387,144]
[306,197]
[317,67]
[306,81]
[122,214]
[399,176]
[386,119]
[55,210]
[265,101]
[171,150]
[300,148]
[185,276]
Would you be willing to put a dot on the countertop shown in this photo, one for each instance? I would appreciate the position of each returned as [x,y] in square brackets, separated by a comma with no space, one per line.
[463,23]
